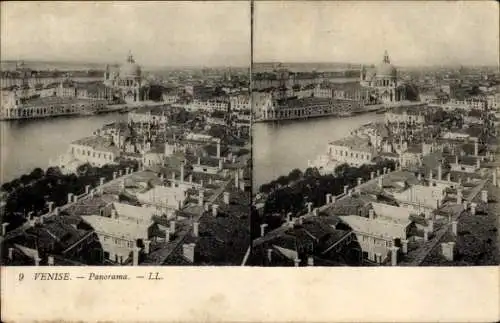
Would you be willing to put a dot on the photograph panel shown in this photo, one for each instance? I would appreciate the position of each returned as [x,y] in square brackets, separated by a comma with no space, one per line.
[375,133]
[125,133]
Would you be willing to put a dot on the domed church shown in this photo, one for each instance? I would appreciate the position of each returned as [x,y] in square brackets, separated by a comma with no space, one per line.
[383,81]
[127,82]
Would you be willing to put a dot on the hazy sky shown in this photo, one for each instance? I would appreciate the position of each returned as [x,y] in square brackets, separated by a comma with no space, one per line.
[414,33]
[161,33]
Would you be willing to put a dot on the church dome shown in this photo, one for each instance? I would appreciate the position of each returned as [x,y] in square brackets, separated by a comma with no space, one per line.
[130,69]
[385,68]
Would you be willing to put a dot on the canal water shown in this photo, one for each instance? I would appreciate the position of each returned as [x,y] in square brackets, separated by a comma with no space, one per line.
[277,147]
[27,144]
[280,147]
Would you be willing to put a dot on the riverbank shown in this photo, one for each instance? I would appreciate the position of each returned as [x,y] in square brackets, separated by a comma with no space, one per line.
[28,144]
[282,146]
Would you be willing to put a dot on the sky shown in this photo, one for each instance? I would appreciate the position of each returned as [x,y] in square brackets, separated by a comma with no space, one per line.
[157,33]
[413,33]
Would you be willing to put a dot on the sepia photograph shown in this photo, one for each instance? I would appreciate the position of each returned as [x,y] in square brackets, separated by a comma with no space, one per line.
[375,134]
[125,133]
[249,161]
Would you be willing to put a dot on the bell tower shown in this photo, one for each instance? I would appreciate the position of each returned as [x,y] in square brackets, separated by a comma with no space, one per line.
[386,57]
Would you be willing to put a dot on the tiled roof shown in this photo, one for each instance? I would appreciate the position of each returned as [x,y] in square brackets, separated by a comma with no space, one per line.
[97,143]
[355,143]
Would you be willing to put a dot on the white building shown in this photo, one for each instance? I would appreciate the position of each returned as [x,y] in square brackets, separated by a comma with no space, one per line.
[376,236]
[352,150]
[118,237]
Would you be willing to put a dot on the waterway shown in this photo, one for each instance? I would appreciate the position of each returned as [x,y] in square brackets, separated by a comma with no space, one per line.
[282,146]
[27,144]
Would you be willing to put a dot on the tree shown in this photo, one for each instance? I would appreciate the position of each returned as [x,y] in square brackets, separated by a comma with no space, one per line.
[37,173]
[311,172]
[282,180]
[295,174]
[341,170]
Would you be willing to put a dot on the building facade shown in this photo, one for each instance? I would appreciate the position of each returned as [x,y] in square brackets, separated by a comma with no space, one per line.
[383,81]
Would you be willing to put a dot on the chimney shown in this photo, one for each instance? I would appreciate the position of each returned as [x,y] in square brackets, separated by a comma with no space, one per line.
[473,208]
[333,199]
[484,196]
[263,229]
[120,173]
[50,205]
[430,176]
[190,178]
[404,246]
[270,255]
[218,149]
[430,225]
[147,244]
[289,217]
[350,192]
[114,175]
[11,253]
[316,211]
[394,255]
[87,189]
[215,210]
[309,207]
[440,172]
[199,161]
[50,260]
[378,172]
[448,177]
[447,249]
[385,170]
[37,260]
[476,148]
[359,181]
[196,226]
[296,262]
[172,226]
[419,177]
[237,179]
[426,235]
[167,235]
[310,261]
[4,228]
[328,198]
[75,198]
[188,251]
[220,164]
[70,198]
[478,162]
[101,181]
[56,210]
[454,227]
[459,196]
[201,197]
[346,187]
[226,197]
[372,175]
[371,214]
[456,159]
[182,173]
[135,256]
[379,182]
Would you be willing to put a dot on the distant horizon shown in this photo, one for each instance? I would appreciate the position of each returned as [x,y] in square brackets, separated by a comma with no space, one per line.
[171,33]
[375,63]
[104,63]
